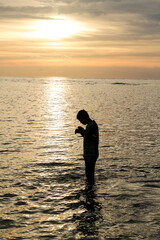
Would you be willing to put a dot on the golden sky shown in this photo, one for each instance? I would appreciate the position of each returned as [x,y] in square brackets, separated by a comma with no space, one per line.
[80,38]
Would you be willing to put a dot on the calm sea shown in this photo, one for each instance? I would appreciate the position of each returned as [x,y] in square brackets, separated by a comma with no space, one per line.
[44,194]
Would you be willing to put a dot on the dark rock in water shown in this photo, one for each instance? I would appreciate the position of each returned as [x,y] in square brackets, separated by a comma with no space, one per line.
[120,83]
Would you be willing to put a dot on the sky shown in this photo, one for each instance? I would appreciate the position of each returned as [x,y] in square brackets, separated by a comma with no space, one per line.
[80,38]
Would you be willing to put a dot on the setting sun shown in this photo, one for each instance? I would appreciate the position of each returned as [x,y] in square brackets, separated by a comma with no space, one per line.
[80,38]
[57,28]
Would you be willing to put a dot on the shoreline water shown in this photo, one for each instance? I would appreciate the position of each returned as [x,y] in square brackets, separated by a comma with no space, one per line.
[43,190]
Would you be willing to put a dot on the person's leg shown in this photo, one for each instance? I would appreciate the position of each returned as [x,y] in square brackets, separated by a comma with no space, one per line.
[90,167]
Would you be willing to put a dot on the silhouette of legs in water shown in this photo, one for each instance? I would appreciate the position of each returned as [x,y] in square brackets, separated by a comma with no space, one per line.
[89,168]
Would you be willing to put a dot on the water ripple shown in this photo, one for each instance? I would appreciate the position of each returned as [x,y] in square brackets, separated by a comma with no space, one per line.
[43,190]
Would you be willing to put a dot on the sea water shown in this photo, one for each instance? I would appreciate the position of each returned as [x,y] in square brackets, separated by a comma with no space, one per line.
[43,191]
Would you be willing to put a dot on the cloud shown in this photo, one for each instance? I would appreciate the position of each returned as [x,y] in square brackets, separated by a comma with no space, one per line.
[24,12]
[119,29]
[155,18]
[112,18]
[90,7]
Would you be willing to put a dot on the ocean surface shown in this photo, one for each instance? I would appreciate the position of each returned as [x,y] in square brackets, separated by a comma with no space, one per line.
[43,191]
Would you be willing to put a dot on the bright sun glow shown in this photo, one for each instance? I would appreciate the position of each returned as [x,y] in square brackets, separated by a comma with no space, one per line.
[57,28]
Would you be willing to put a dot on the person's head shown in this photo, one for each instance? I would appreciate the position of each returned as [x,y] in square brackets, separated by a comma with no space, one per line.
[83,117]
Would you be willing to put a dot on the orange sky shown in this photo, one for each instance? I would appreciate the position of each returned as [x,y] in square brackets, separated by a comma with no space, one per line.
[87,38]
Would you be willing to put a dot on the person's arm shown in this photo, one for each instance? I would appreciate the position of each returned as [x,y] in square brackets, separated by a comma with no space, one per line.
[92,134]
[80,130]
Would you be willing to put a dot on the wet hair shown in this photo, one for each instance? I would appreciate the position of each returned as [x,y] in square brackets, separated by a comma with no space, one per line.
[82,113]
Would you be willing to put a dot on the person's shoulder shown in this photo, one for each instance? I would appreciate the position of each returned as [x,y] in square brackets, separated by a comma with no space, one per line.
[94,124]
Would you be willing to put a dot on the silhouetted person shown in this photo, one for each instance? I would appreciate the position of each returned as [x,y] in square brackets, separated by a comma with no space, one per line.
[90,143]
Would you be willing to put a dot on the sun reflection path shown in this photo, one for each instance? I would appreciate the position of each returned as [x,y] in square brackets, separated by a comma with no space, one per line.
[55,103]
[54,143]
[60,143]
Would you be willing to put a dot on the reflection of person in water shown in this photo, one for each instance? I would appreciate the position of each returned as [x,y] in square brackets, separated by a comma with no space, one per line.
[90,143]
[88,221]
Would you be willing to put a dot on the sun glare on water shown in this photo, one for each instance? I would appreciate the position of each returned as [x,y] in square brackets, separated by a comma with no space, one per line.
[57,28]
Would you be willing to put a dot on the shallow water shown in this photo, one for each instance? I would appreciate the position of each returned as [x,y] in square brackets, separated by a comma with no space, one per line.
[43,190]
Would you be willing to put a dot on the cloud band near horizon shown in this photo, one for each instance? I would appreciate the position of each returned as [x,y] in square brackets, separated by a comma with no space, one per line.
[121,33]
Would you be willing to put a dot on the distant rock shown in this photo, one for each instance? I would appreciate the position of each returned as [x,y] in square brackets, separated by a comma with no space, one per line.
[121,83]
